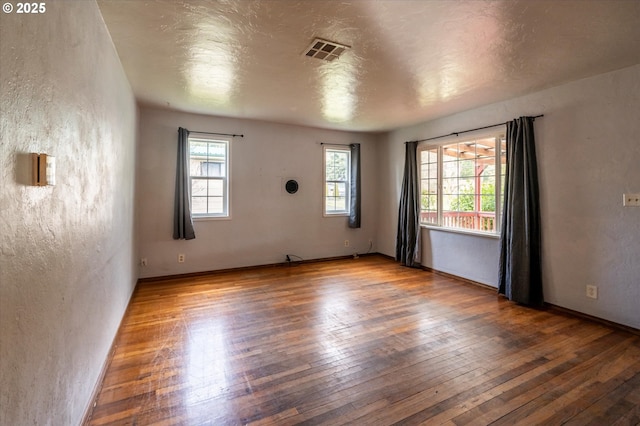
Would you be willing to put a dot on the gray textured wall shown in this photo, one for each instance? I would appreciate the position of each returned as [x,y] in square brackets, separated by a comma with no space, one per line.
[266,222]
[66,251]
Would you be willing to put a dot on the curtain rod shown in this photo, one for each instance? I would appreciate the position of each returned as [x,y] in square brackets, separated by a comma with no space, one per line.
[336,144]
[233,135]
[470,130]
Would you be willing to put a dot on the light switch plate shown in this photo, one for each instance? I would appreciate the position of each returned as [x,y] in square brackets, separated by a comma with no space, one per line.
[631,200]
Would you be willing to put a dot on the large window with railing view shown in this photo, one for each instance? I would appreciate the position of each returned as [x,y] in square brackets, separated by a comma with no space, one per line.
[461,184]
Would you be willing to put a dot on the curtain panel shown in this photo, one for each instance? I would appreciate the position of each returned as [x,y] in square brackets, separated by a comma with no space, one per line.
[520,273]
[182,220]
[354,211]
[408,237]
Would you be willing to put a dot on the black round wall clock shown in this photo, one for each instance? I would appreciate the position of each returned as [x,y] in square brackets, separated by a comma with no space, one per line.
[291,186]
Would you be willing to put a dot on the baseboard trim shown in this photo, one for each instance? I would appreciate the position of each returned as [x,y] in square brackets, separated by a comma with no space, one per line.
[446,274]
[247,268]
[464,280]
[549,306]
[559,309]
[86,418]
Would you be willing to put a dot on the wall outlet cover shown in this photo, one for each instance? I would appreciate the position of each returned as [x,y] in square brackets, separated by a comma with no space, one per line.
[631,200]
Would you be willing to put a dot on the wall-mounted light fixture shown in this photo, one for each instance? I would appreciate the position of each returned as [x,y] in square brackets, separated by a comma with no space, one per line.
[44,169]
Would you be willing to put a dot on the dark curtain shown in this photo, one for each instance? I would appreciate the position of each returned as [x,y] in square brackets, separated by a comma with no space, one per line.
[408,239]
[354,211]
[182,221]
[520,274]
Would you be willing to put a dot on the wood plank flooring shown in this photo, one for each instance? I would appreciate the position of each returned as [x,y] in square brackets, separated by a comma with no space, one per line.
[364,342]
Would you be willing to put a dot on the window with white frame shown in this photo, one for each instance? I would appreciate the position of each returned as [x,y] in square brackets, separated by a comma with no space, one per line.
[337,180]
[461,184]
[209,175]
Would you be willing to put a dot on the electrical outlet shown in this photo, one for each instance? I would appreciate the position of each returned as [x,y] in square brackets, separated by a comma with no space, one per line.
[143,261]
[346,243]
[631,200]
[181,258]
[592,292]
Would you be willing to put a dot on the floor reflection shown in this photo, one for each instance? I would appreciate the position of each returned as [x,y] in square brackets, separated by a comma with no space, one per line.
[335,318]
[207,369]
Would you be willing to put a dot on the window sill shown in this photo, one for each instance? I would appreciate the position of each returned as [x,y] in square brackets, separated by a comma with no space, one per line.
[207,218]
[336,215]
[462,231]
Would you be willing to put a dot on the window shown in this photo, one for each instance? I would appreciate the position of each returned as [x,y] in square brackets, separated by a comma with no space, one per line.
[337,180]
[460,185]
[209,176]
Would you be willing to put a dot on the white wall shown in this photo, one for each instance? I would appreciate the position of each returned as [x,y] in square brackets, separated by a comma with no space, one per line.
[588,156]
[266,223]
[66,252]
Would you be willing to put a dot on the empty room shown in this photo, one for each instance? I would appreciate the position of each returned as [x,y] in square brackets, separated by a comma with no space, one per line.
[367,212]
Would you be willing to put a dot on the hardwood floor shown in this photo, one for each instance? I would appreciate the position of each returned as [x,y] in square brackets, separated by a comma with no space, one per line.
[362,342]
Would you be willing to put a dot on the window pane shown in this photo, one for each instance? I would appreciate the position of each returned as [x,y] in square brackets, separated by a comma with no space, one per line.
[218,151]
[198,187]
[466,191]
[198,149]
[449,219]
[450,152]
[216,205]
[467,186]
[488,185]
[216,187]
[429,217]
[433,171]
[488,203]
[336,163]
[447,200]
[336,173]
[467,168]
[212,169]
[199,205]
[462,203]
[208,164]
[429,186]
[432,186]
[332,189]
[487,222]
[433,203]
[450,186]
[330,172]
[424,201]
[330,204]
[424,186]
[195,166]
[489,170]
[336,197]
[450,169]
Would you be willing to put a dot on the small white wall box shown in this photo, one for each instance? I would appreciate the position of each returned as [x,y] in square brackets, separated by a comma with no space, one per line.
[44,169]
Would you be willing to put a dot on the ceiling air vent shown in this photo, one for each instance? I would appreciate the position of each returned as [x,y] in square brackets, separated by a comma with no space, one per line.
[324,49]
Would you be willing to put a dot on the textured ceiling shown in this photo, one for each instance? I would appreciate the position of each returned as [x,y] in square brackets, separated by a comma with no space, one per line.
[410,60]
